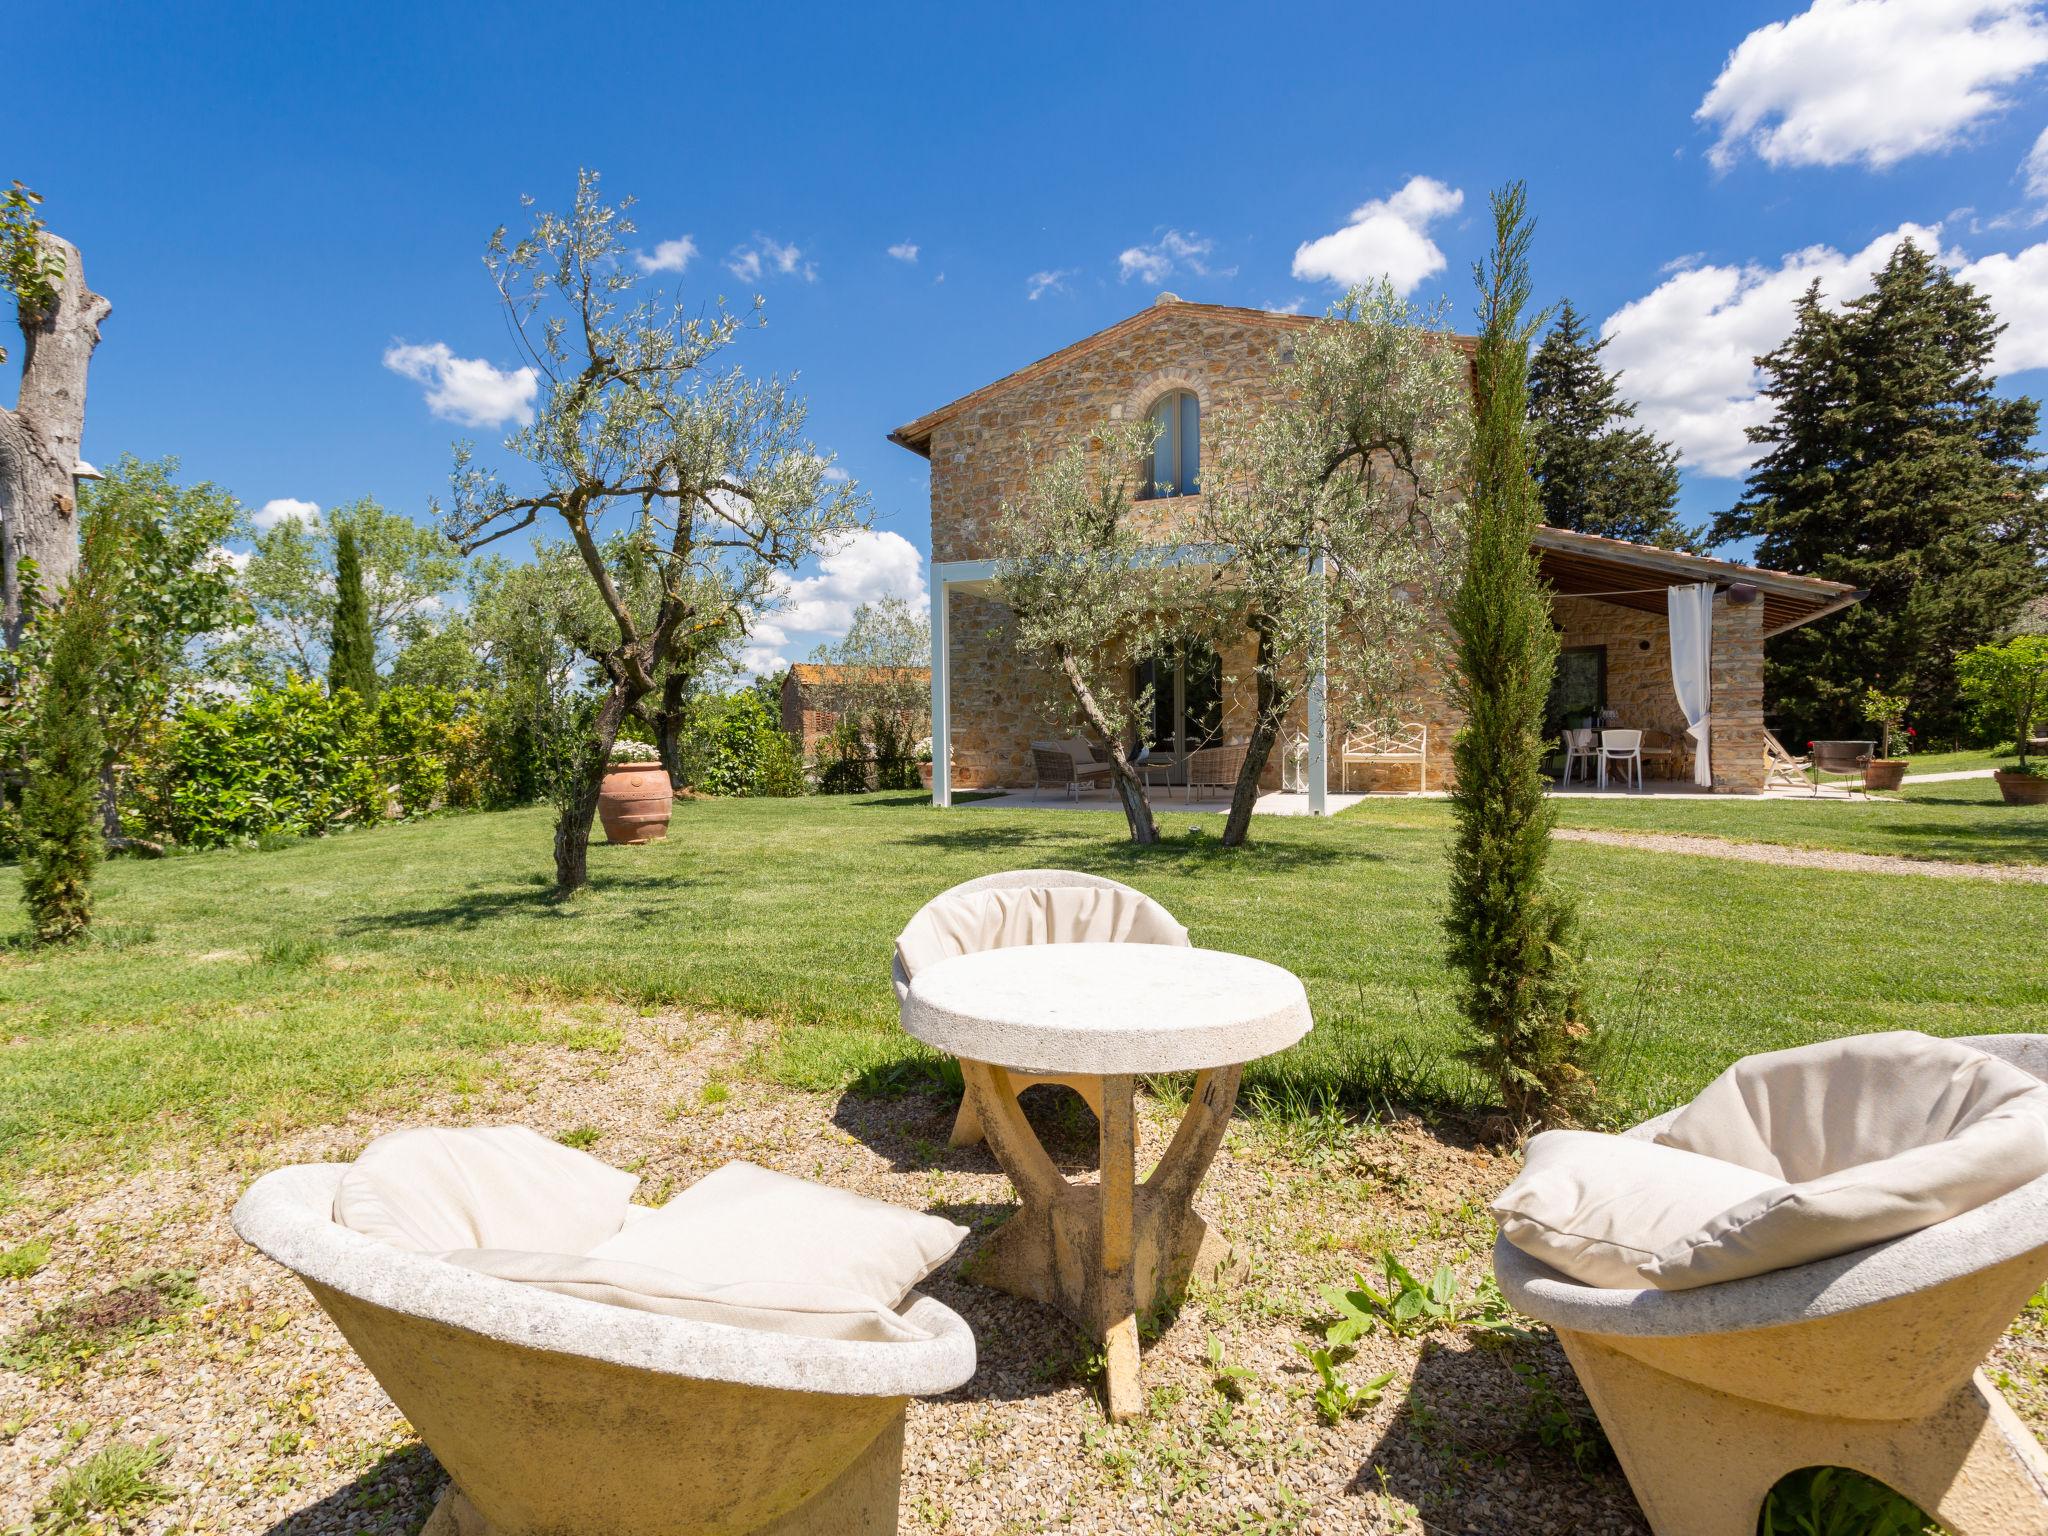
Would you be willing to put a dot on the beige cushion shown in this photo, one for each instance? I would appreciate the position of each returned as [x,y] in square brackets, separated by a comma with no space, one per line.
[1598,1207]
[749,1248]
[503,1186]
[1873,1137]
[747,1226]
[809,1310]
[1004,918]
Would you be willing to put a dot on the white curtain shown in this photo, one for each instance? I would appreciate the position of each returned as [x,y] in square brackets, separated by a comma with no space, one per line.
[1692,666]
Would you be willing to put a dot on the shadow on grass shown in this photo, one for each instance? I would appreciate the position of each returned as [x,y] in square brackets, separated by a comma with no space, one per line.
[538,900]
[1191,852]
[1497,1435]
[911,1126]
[395,1494]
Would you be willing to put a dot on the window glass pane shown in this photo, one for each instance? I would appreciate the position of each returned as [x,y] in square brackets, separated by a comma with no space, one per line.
[1162,448]
[1190,444]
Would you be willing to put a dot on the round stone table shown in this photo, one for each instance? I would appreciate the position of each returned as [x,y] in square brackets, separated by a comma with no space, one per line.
[1103,1252]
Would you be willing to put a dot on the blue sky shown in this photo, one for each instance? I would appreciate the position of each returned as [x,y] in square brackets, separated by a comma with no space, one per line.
[277,197]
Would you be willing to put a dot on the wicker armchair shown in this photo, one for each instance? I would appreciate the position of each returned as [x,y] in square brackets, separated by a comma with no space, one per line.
[1062,765]
[1215,767]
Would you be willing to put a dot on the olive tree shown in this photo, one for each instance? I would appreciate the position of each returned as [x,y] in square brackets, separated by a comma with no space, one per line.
[1090,590]
[1339,506]
[708,470]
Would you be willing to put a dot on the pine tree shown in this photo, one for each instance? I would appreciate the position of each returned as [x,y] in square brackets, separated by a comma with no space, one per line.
[1512,933]
[1891,464]
[60,804]
[1595,473]
[352,652]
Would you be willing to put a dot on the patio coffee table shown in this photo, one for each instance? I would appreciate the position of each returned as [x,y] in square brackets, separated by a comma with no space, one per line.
[1102,1252]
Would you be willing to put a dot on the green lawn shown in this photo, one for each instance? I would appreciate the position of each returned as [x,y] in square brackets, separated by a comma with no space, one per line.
[232,988]
[1961,820]
[1957,762]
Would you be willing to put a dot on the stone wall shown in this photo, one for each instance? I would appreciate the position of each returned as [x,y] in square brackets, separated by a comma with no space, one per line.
[1735,738]
[984,455]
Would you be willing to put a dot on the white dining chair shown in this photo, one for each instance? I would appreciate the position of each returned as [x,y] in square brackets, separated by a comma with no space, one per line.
[1625,748]
[1580,748]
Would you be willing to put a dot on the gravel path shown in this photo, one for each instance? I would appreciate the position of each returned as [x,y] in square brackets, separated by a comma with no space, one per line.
[1805,858]
[273,1427]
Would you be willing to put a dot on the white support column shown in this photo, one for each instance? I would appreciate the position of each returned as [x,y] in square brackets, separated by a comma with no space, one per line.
[942,719]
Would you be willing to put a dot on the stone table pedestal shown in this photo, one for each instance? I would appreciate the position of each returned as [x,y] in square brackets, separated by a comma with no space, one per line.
[1104,1252]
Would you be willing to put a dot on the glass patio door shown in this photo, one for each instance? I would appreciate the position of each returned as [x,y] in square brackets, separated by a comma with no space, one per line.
[1187,700]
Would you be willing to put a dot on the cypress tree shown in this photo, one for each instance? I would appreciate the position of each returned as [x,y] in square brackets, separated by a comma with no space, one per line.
[1594,472]
[60,804]
[352,650]
[1512,933]
[1891,464]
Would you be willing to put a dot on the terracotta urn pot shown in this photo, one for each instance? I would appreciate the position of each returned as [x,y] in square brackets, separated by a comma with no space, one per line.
[2022,788]
[634,803]
[1884,773]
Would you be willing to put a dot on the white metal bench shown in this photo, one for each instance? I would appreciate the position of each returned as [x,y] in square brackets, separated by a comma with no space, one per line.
[1389,741]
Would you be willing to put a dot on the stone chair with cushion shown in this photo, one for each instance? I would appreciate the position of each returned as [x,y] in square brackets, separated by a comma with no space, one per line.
[1027,906]
[1805,1266]
[736,1361]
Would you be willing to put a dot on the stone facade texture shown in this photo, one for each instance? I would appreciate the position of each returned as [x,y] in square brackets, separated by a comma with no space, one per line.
[982,455]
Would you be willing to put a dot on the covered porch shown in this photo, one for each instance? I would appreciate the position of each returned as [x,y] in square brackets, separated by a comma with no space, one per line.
[1651,640]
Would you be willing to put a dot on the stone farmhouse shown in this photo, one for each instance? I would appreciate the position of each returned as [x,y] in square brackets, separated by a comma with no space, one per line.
[1180,363]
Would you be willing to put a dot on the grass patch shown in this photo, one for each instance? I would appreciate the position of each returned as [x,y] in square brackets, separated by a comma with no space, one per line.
[106,1491]
[25,1259]
[439,945]
[1963,821]
[63,1340]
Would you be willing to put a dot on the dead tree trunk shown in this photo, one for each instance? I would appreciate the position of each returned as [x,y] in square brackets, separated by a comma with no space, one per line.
[39,440]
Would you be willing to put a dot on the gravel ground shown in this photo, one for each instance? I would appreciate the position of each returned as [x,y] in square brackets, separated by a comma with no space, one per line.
[271,1425]
[1804,858]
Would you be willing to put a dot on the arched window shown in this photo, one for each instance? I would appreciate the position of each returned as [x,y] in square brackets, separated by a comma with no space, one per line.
[1177,454]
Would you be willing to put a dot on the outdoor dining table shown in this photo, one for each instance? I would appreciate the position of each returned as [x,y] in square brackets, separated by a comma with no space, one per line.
[1104,1252]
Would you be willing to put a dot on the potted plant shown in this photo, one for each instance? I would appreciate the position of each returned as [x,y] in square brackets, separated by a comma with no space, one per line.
[2009,683]
[636,796]
[1886,711]
[924,762]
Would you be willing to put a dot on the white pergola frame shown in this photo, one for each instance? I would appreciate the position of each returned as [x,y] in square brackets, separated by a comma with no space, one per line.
[978,578]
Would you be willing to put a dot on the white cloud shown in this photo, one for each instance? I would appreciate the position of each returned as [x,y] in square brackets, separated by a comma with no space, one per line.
[861,568]
[1685,349]
[1039,284]
[1873,81]
[760,661]
[230,559]
[768,256]
[905,250]
[284,509]
[2035,168]
[669,256]
[2017,285]
[1386,237]
[466,389]
[1156,262]
[836,475]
